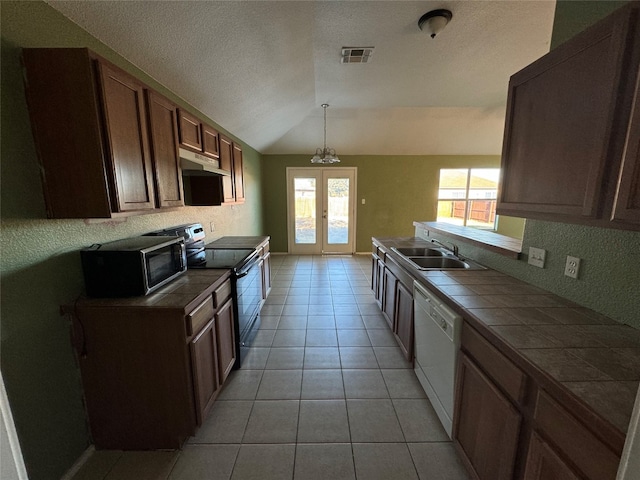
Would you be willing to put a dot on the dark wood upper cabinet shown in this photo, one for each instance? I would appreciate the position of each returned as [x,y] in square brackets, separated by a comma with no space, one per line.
[567,125]
[126,130]
[210,141]
[190,132]
[198,136]
[231,160]
[238,173]
[627,200]
[89,125]
[163,134]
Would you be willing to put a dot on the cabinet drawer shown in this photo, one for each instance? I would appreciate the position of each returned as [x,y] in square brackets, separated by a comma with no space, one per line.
[199,316]
[221,294]
[509,377]
[265,249]
[594,459]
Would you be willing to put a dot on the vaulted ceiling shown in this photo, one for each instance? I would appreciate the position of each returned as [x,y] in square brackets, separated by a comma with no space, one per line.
[262,69]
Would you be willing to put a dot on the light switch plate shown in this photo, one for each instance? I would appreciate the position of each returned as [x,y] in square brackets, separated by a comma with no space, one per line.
[537,256]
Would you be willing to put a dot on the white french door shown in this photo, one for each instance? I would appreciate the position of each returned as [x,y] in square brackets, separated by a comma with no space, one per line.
[321,209]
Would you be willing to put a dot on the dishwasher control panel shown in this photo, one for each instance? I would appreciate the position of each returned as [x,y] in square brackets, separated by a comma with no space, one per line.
[441,314]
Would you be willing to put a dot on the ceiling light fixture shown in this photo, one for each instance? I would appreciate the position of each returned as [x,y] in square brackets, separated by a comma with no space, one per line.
[325,155]
[433,22]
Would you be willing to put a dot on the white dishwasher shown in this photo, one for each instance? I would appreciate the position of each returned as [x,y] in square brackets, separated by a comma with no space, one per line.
[437,341]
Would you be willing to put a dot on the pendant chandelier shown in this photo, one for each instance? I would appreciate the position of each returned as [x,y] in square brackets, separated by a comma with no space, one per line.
[325,155]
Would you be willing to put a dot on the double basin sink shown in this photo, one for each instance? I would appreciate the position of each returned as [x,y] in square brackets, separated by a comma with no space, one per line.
[426,258]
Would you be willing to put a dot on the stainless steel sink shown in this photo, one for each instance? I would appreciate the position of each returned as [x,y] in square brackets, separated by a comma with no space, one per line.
[437,262]
[420,251]
[425,258]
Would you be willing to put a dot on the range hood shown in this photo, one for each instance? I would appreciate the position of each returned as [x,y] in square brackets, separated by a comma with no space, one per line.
[195,164]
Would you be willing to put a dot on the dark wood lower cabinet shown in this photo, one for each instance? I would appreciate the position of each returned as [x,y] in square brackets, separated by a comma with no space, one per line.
[487,427]
[151,371]
[404,320]
[543,463]
[389,297]
[510,422]
[377,282]
[508,426]
[225,336]
[393,291]
[204,361]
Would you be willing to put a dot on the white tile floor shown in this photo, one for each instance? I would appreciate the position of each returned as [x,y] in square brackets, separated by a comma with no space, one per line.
[324,393]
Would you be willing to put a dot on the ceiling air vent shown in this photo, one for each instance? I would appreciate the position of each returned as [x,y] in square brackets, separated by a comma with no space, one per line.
[356,54]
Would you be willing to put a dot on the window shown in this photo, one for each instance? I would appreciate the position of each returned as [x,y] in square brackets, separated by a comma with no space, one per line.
[467,196]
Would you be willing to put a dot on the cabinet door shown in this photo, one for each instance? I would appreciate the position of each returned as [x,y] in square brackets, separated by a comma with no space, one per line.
[210,141]
[389,297]
[204,360]
[123,99]
[404,320]
[226,338]
[60,84]
[627,202]
[559,148]
[189,130]
[545,464]
[226,163]
[163,132]
[487,426]
[238,173]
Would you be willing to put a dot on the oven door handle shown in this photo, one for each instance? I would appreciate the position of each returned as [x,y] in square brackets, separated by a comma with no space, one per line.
[253,261]
[243,274]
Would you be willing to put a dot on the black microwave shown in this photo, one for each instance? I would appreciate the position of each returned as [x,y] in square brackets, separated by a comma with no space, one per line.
[133,266]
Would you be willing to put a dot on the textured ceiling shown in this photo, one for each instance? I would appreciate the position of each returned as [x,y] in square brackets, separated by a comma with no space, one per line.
[261,69]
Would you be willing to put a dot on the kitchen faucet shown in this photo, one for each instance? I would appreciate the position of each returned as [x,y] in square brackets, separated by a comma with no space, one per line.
[454,248]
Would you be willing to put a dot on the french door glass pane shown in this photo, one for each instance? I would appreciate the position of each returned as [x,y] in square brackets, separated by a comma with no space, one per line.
[305,210]
[338,211]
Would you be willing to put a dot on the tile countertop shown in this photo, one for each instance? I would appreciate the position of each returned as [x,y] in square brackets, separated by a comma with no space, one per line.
[239,242]
[185,292]
[552,339]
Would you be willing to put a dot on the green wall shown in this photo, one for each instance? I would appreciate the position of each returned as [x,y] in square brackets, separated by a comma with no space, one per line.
[398,190]
[40,263]
[573,16]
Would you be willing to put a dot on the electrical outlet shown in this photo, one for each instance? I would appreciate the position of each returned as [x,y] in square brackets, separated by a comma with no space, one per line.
[572,267]
[537,256]
[363,201]
[211,227]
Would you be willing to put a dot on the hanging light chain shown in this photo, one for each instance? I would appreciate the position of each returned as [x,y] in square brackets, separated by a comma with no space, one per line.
[325,155]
